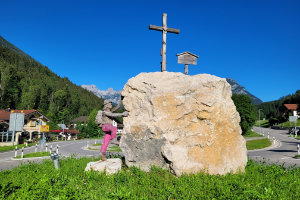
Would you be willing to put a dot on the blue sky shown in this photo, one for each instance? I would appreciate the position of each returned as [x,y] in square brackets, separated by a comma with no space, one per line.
[255,42]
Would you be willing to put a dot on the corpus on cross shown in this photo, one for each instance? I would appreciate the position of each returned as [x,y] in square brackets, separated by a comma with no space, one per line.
[164,30]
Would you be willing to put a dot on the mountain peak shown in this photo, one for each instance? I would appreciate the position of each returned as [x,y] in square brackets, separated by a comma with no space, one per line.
[238,89]
[92,86]
[109,94]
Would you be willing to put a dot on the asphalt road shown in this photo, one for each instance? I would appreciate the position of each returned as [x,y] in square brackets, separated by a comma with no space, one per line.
[66,149]
[283,153]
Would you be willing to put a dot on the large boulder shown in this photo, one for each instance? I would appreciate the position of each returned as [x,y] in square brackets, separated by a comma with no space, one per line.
[187,124]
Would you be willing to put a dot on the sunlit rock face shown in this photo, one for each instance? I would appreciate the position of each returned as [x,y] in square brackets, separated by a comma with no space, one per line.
[187,124]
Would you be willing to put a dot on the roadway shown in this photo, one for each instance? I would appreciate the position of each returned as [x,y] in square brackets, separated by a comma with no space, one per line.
[283,152]
[65,149]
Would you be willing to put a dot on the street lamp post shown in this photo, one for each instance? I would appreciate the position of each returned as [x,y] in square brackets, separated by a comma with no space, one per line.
[259,119]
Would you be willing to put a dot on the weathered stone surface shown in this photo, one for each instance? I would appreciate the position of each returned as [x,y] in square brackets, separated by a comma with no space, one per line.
[185,123]
[111,166]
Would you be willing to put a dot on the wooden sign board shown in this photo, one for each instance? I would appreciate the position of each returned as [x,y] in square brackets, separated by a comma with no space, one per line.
[187,58]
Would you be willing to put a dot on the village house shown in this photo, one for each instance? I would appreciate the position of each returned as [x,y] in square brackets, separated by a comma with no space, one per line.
[33,123]
[292,108]
[80,119]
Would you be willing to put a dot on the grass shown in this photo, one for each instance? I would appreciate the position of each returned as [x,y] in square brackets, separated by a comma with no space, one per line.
[289,124]
[297,156]
[98,144]
[250,133]
[96,138]
[262,123]
[258,144]
[110,149]
[9,148]
[94,145]
[42,181]
[33,155]
[114,149]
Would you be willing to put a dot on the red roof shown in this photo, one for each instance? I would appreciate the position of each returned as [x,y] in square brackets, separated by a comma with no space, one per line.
[291,106]
[5,114]
[65,131]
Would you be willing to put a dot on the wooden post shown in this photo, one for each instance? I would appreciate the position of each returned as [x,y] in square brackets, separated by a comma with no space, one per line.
[164,30]
[186,69]
[164,44]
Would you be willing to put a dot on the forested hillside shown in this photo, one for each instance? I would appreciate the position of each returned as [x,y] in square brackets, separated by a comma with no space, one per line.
[27,84]
[275,110]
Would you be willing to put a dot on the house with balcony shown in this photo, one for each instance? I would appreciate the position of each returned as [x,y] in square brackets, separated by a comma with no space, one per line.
[33,122]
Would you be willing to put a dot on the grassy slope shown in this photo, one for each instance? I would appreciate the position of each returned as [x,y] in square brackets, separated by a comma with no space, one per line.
[33,155]
[262,123]
[9,148]
[42,181]
[258,144]
[251,134]
[265,124]
[288,124]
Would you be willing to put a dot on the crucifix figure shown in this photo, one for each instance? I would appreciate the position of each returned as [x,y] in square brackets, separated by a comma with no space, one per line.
[164,30]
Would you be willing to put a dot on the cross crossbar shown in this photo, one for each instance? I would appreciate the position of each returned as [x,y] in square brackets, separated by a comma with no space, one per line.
[159,28]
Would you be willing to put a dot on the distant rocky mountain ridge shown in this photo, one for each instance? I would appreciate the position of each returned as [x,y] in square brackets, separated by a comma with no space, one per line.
[114,96]
[109,94]
[238,89]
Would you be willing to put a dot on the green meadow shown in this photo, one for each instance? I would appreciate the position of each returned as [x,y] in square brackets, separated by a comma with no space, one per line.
[42,181]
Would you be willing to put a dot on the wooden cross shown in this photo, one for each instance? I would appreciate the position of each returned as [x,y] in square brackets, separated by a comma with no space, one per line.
[164,30]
